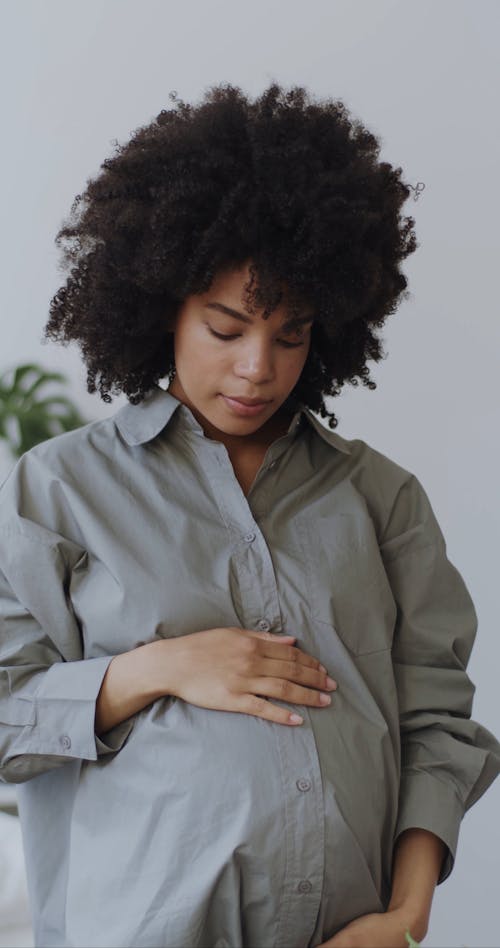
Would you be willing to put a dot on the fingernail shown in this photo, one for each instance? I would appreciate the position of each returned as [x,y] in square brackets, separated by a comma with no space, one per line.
[296,719]
[325,699]
[322,668]
[330,683]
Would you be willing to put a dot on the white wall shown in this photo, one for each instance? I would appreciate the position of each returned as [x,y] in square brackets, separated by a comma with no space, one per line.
[422,75]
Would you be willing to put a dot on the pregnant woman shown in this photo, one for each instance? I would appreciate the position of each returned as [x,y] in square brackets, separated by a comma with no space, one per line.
[233,651]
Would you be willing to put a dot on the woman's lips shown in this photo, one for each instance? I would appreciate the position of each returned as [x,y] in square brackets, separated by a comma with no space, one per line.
[244,410]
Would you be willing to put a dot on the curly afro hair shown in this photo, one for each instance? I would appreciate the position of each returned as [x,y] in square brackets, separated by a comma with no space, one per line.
[290,184]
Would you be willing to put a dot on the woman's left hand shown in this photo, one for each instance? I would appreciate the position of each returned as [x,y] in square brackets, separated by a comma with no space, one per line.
[379,930]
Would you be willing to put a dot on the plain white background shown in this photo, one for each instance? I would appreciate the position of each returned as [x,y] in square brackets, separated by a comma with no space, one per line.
[424,77]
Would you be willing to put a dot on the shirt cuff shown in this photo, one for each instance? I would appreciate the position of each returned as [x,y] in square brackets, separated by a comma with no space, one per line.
[65,702]
[425,802]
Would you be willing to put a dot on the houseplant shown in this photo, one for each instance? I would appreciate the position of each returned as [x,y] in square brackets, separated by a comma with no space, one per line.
[28,415]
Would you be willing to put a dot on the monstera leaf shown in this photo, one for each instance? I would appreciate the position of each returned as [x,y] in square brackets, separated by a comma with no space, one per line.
[26,416]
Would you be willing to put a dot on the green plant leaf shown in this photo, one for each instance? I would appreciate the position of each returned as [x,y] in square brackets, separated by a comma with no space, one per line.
[42,380]
[411,941]
[26,421]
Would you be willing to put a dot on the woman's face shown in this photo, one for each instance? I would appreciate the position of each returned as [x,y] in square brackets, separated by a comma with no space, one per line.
[222,356]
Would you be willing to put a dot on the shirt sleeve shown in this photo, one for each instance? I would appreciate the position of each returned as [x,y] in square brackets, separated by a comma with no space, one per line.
[48,692]
[447,759]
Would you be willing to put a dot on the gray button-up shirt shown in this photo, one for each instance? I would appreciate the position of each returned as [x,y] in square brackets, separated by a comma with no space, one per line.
[187,826]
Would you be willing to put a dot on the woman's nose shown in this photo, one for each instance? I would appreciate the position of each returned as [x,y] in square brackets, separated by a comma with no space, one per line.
[256,363]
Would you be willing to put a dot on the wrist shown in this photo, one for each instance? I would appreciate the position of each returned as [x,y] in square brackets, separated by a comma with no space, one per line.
[125,689]
[159,670]
[413,917]
[418,855]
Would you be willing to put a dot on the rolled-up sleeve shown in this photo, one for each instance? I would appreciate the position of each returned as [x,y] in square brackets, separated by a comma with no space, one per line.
[48,691]
[447,759]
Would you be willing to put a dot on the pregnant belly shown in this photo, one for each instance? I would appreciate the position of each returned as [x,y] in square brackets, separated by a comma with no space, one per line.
[191,801]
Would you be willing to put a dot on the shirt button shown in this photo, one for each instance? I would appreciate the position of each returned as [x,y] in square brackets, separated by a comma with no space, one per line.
[304,886]
[249,537]
[264,625]
[65,741]
[303,784]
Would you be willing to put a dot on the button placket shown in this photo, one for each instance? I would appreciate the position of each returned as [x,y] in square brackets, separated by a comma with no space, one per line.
[304,835]
[251,555]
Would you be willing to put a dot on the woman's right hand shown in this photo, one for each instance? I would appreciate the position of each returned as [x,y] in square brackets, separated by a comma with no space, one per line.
[233,669]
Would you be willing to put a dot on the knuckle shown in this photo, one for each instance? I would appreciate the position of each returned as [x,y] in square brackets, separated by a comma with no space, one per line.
[258,705]
[283,687]
[247,652]
[300,671]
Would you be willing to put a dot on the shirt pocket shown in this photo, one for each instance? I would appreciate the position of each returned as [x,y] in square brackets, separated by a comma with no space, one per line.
[347,585]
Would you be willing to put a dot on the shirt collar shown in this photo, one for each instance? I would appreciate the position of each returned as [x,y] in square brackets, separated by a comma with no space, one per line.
[140,423]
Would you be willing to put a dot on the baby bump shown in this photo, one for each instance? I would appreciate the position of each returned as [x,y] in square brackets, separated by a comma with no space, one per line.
[189,799]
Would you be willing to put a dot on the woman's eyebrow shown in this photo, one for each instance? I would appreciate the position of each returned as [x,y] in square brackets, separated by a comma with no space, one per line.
[229,311]
[246,319]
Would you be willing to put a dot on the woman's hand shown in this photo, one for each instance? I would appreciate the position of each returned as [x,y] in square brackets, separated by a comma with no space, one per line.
[379,930]
[233,669]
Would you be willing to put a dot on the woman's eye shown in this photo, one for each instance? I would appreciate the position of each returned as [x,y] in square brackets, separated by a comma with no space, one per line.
[220,335]
[283,342]
[290,345]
